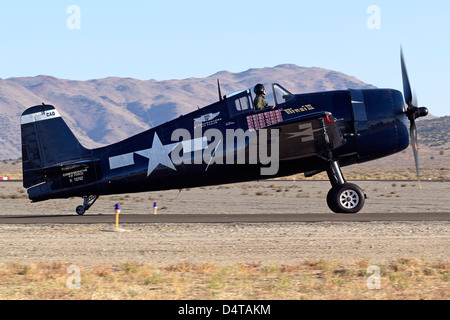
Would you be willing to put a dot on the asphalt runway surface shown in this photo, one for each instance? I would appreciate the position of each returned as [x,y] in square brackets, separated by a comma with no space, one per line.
[255,202]
[223,218]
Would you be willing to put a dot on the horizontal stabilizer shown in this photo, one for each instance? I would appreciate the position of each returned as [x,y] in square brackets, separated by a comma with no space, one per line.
[59,166]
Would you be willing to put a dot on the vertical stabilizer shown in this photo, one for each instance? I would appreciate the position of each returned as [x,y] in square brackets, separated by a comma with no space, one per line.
[46,141]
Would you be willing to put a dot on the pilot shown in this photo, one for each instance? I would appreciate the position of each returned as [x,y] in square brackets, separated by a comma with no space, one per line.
[260,101]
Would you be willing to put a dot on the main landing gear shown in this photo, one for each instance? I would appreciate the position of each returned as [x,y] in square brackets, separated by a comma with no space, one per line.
[343,197]
[88,201]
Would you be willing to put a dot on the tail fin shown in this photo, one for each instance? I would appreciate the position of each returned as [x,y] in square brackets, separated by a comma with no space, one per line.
[46,142]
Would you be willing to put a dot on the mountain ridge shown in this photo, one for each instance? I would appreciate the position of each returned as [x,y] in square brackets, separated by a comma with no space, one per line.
[108,110]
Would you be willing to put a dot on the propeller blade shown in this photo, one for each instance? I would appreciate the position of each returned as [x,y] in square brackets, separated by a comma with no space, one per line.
[415,102]
[412,112]
[406,85]
[415,147]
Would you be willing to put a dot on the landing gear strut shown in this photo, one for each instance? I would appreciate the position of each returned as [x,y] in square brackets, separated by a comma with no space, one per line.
[88,201]
[343,197]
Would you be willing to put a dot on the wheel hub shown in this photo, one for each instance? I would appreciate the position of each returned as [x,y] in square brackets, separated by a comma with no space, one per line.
[349,199]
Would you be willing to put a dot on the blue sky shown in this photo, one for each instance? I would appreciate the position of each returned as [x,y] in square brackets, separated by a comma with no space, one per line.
[174,39]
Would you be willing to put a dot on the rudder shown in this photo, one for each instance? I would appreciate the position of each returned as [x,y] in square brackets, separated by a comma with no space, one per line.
[46,141]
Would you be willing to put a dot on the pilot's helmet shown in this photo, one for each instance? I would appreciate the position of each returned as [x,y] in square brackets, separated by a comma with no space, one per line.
[259,89]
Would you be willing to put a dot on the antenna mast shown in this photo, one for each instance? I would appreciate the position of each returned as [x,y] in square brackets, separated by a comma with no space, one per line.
[220,91]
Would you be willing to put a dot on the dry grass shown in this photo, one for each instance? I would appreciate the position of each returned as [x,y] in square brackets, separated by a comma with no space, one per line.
[400,279]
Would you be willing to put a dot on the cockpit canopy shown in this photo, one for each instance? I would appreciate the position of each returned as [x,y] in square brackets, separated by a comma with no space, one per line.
[241,102]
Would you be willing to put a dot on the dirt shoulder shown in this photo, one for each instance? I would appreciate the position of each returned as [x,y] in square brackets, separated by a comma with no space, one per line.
[225,244]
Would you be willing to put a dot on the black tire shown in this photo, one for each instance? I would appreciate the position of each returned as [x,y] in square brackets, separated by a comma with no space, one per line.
[346,198]
[80,210]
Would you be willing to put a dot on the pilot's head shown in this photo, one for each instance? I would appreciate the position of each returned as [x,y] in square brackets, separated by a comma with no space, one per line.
[259,89]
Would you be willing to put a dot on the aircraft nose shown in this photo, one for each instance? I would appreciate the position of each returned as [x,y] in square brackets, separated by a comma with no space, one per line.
[402,124]
[386,130]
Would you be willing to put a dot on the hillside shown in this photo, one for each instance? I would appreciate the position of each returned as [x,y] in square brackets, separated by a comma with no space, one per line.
[434,133]
[103,111]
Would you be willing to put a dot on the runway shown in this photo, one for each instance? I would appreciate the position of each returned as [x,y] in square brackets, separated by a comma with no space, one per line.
[223,218]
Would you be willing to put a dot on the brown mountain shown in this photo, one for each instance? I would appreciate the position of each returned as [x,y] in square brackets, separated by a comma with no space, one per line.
[103,111]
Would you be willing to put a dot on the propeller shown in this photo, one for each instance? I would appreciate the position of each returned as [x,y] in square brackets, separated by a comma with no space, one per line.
[413,112]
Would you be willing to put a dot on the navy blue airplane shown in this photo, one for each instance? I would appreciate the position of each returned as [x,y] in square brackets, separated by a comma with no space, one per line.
[226,142]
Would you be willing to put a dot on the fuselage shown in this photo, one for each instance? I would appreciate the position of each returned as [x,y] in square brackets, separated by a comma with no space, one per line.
[370,124]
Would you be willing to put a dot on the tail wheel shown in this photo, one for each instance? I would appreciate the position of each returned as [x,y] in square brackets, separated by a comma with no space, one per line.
[88,201]
[346,198]
[80,210]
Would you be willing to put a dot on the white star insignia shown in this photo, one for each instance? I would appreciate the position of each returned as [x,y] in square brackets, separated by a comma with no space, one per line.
[158,154]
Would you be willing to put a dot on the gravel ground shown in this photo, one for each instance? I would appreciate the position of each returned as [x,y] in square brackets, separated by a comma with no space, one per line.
[280,243]
[90,245]
[253,197]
